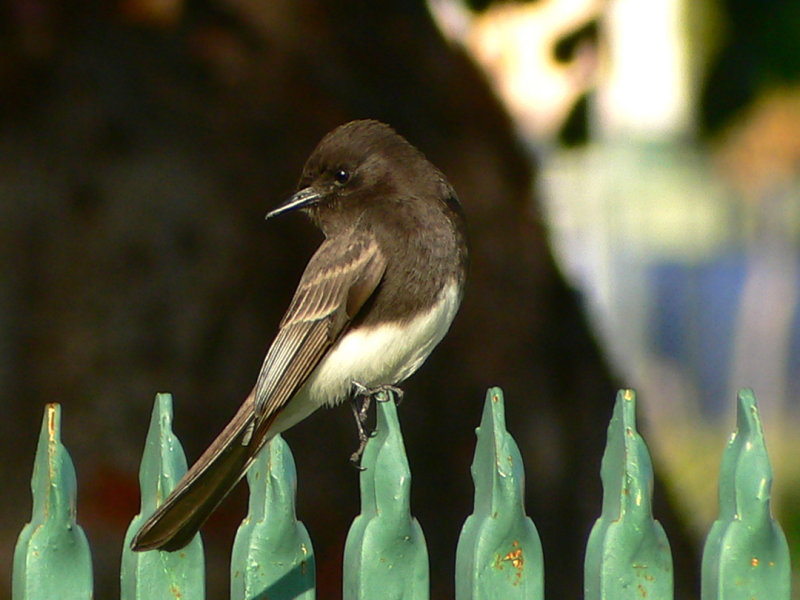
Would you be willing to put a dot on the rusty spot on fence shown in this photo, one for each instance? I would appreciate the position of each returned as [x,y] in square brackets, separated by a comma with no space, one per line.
[515,557]
[52,440]
[51,421]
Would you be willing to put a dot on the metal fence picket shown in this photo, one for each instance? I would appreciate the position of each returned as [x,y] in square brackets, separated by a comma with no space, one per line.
[746,556]
[272,553]
[628,555]
[156,574]
[52,557]
[385,554]
[499,554]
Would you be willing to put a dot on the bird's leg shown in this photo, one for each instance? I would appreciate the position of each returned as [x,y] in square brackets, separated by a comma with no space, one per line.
[362,399]
[360,414]
[360,403]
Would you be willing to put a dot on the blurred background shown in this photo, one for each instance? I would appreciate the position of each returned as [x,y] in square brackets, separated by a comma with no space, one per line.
[630,173]
[668,137]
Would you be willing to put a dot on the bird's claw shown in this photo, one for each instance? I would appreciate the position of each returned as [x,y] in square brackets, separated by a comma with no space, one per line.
[380,392]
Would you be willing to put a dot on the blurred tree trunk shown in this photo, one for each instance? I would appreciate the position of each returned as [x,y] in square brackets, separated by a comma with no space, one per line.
[139,150]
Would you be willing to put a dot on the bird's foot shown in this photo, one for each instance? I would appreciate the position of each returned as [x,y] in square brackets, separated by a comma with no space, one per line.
[361,400]
[380,392]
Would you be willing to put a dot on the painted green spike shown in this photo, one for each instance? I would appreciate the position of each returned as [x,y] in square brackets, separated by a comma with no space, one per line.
[155,574]
[499,553]
[52,557]
[746,556]
[385,554]
[272,553]
[628,555]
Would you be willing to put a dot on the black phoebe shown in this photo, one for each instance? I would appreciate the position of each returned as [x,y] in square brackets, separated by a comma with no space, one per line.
[374,300]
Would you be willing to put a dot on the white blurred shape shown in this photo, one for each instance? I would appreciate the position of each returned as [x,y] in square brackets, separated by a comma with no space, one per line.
[646,90]
[515,45]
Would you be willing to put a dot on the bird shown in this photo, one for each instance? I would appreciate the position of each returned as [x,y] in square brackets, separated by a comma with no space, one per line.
[376,297]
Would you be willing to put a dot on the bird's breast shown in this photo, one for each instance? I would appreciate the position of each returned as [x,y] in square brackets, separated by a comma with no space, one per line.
[383,353]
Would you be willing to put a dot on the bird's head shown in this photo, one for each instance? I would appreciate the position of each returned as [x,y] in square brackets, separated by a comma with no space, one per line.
[354,166]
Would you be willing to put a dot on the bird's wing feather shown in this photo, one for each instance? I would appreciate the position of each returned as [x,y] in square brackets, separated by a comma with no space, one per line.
[323,305]
[325,302]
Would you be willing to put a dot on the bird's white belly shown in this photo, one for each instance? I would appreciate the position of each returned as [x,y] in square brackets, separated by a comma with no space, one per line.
[385,354]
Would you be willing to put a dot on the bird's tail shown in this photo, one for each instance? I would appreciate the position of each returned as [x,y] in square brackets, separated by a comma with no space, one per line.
[205,485]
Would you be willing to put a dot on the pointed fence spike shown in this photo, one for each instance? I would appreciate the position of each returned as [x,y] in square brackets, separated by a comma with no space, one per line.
[385,554]
[272,553]
[499,554]
[52,557]
[155,574]
[628,555]
[746,555]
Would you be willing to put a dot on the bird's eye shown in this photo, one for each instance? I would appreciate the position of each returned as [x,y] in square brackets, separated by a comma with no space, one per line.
[341,176]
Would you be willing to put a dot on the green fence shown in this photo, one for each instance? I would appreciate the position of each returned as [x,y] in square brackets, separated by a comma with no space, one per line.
[499,555]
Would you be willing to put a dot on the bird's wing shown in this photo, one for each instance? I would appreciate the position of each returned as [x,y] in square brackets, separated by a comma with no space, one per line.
[339,279]
[325,302]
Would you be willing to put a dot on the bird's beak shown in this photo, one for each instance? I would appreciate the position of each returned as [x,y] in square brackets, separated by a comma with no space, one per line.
[301,199]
